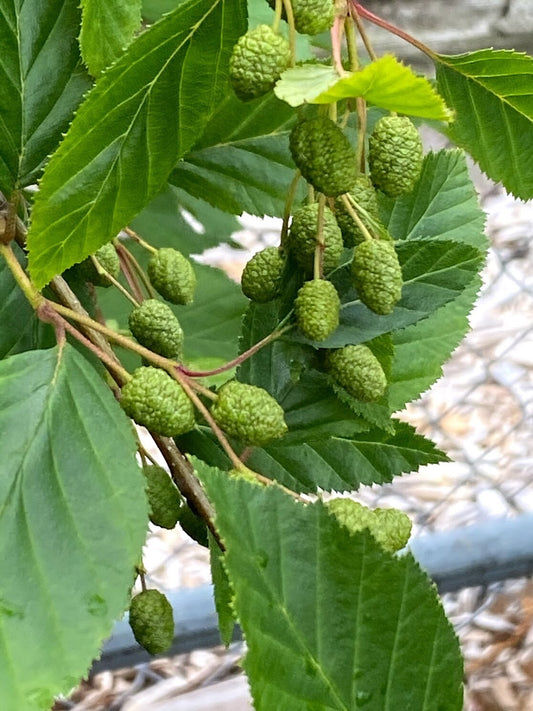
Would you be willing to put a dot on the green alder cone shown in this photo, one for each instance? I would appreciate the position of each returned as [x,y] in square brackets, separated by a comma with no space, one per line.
[164,499]
[303,238]
[109,260]
[258,59]
[317,308]
[358,370]
[395,155]
[249,413]
[324,155]
[377,275]
[155,326]
[151,620]
[261,278]
[155,400]
[172,275]
[365,195]
[311,17]
[391,528]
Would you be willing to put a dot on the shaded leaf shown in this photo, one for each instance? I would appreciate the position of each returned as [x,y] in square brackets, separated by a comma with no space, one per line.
[242,162]
[106,30]
[144,113]
[420,350]
[434,271]
[73,518]
[39,40]
[20,330]
[491,93]
[331,620]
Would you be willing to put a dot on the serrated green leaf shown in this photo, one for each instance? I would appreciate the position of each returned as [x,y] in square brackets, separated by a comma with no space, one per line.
[491,93]
[331,620]
[333,461]
[386,83]
[421,349]
[304,83]
[68,470]
[223,592]
[106,30]
[41,84]
[20,329]
[144,113]
[443,205]
[242,162]
[434,271]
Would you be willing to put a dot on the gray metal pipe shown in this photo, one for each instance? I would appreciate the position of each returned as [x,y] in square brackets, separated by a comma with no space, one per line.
[498,549]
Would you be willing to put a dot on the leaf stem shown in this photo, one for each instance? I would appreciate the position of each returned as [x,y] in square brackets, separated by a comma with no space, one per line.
[380,22]
[277,15]
[362,31]
[184,382]
[347,202]
[240,358]
[288,208]
[292,30]
[351,44]
[318,265]
[137,238]
[103,272]
[20,276]
[124,252]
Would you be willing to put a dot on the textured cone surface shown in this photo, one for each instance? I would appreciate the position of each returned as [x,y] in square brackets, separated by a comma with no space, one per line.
[364,194]
[311,17]
[261,278]
[324,155]
[395,155]
[302,238]
[358,370]
[249,413]
[391,528]
[377,275]
[172,276]
[108,258]
[151,621]
[164,499]
[155,326]
[257,61]
[155,400]
[317,309]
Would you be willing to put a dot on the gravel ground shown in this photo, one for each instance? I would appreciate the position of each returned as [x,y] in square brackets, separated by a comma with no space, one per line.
[480,412]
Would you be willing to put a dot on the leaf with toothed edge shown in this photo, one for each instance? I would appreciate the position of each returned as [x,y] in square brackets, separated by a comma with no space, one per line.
[38,40]
[73,519]
[331,620]
[143,114]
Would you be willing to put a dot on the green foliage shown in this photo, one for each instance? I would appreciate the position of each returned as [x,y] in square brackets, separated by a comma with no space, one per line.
[106,30]
[297,657]
[386,83]
[53,403]
[104,172]
[242,161]
[490,91]
[161,155]
[38,40]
